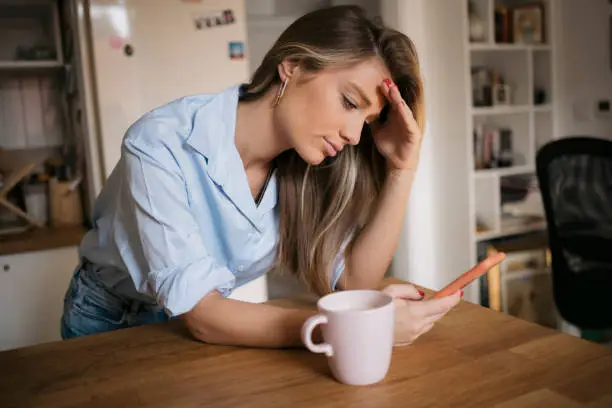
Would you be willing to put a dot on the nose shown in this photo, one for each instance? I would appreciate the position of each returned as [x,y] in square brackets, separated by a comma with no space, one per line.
[351,134]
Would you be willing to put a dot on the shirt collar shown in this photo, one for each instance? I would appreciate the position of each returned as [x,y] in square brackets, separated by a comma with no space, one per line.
[214,125]
[213,135]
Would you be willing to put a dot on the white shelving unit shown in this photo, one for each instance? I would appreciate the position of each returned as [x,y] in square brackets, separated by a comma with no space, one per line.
[31,64]
[28,24]
[27,65]
[525,67]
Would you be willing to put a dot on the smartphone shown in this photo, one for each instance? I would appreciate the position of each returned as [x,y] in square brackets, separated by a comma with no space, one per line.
[469,276]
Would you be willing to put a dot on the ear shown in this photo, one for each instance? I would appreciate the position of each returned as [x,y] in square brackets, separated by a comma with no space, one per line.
[287,69]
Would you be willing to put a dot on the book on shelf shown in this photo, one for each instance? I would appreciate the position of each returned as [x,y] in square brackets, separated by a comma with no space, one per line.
[492,147]
[520,24]
[503,28]
[489,88]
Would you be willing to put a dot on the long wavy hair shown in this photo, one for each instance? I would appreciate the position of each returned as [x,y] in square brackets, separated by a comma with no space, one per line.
[323,208]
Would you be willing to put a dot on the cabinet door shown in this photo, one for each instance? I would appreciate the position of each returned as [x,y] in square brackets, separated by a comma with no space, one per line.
[32,288]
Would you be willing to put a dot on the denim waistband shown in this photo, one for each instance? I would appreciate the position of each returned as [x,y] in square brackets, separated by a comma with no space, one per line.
[142,302]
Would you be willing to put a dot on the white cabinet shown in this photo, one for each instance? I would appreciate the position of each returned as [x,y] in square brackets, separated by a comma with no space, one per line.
[32,288]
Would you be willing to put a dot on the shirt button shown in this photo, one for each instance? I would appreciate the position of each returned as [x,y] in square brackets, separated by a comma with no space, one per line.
[240,268]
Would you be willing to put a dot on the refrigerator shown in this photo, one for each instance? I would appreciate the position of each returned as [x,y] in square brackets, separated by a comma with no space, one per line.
[140,54]
[135,55]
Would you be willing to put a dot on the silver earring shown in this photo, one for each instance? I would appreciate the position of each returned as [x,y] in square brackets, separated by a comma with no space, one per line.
[281,91]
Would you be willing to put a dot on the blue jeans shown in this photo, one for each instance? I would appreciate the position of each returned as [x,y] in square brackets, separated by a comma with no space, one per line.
[89,307]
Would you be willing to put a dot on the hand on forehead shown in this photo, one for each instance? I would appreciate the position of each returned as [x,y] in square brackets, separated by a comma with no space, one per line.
[362,81]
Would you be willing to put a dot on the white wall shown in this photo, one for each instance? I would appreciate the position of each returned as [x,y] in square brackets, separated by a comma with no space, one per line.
[434,247]
[372,7]
[267,19]
[262,32]
[585,72]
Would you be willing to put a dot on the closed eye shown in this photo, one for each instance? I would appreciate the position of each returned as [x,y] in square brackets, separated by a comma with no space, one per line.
[348,104]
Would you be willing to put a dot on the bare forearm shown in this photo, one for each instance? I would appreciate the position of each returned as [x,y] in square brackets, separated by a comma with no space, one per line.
[374,248]
[231,322]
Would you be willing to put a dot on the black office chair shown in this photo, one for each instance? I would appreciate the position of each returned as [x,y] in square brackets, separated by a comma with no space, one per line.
[575,178]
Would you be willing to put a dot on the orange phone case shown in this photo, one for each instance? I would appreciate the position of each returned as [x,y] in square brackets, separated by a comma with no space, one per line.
[469,276]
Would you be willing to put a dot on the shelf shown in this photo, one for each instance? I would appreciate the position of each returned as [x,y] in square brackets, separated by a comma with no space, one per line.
[542,108]
[508,47]
[532,242]
[506,232]
[525,273]
[39,239]
[503,171]
[30,64]
[501,110]
[541,47]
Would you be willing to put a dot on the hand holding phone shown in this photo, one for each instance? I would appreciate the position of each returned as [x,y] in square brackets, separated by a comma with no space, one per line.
[469,276]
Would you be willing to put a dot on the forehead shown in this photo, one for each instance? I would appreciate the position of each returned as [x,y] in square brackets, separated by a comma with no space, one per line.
[367,75]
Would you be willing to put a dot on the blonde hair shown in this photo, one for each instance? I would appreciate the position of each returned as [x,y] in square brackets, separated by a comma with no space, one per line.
[323,207]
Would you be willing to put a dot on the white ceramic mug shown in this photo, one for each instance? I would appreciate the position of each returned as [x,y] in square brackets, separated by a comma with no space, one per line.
[358,328]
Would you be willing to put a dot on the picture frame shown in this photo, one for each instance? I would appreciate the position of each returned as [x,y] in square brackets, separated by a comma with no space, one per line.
[501,95]
[528,26]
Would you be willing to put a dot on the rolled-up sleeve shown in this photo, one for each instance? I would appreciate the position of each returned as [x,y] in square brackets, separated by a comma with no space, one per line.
[172,255]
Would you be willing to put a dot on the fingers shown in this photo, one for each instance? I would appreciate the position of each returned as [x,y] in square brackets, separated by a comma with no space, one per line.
[439,306]
[404,291]
[394,96]
[397,102]
[391,92]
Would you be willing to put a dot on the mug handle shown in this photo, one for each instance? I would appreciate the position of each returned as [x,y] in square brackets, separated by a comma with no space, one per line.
[307,329]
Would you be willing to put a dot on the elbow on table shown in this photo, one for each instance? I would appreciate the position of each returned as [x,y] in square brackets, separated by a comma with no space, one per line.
[201,323]
[200,329]
[197,331]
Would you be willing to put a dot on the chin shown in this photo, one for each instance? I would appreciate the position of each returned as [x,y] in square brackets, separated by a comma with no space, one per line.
[319,160]
[313,157]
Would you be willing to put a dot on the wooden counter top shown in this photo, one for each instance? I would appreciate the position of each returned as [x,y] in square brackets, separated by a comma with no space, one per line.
[41,239]
[474,357]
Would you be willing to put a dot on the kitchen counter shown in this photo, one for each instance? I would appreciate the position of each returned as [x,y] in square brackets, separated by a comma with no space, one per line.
[474,357]
[39,239]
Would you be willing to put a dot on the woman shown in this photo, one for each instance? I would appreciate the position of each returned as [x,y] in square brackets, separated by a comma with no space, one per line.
[307,168]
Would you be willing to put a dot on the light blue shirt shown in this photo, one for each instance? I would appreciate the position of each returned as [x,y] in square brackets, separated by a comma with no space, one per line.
[176,218]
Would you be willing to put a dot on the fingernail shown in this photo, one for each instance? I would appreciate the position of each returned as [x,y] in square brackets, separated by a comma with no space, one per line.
[421,293]
[387,82]
[461,294]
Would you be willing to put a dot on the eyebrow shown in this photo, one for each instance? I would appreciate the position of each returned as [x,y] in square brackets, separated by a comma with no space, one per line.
[361,93]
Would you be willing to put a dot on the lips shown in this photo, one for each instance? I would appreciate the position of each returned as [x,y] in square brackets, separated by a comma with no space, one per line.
[332,148]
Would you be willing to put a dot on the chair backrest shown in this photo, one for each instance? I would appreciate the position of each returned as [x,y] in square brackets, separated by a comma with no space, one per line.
[575,179]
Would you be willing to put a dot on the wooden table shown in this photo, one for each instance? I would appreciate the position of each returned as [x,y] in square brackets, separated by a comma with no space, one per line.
[474,357]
